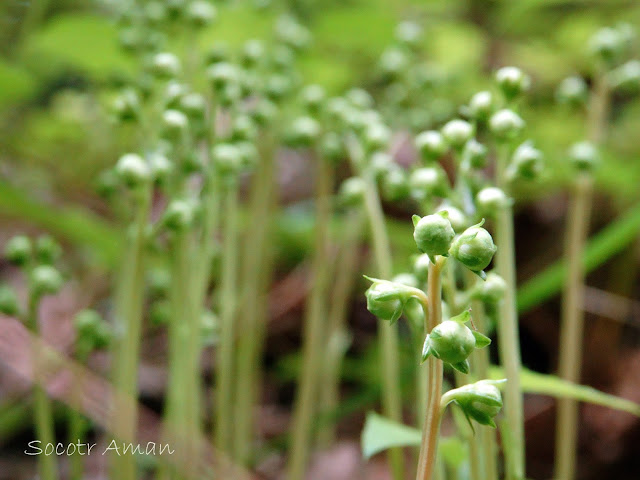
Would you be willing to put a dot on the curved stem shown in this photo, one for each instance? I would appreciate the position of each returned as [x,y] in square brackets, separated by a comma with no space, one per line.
[314,334]
[431,428]
[572,327]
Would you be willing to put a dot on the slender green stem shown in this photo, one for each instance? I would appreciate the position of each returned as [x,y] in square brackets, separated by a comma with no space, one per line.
[508,338]
[572,327]
[256,274]
[337,338]
[47,464]
[389,361]
[314,335]
[229,285]
[77,422]
[431,427]
[129,317]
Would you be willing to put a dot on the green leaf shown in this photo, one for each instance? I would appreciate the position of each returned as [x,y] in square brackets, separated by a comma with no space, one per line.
[533,382]
[609,241]
[381,433]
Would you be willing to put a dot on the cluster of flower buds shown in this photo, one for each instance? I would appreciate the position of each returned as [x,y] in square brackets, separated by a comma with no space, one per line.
[480,401]
[453,342]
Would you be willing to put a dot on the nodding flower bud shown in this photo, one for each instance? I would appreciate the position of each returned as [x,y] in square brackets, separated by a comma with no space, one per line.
[452,342]
[312,98]
[352,191]
[506,124]
[474,248]
[179,215]
[433,234]
[380,163]
[201,13]
[91,329]
[607,44]
[584,156]
[526,162]
[133,170]
[221,75]
[491,290]
[480,106]
[248,153]
[395,186]
[386,300]
[376,136]
[431,145]
[264,112]
[572,91]
[193,105]
[165,65]
[359,98]
[19,250]
[428,182]
[303,132]
[332,147]
[393,62]
[408,33]
[480,401]
[421,267]
[226,159]
[47,250]
[457,133]
[512,82]
[45,280]
[160,166]
[626,78]
[8,301]
[457,218]
[173,94]
[413,310]
[126,106]
[243,128]
[474,154]
[490,200]
[174,124]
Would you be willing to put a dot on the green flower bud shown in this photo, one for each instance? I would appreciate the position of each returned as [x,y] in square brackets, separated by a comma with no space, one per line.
[264,112]
[160,166]
[332,147]
[431,145]
[584,156]
[229,94]
[490,200]
[221,75]
[160,312]
[452,342]
[201,13]
[572,91]
[433,234]
[393,62]
[278,86]
[626,78]
[359,98]
[282,58]
[381,163]
[526,162]
[133,170]
[607,44]
[209,328]
[474,248]
[47,250]
[174,124]
[312,98]
[408,33]
[352,191]
[292,33]
[18,250]
[107,183]
[480,401]
[243,128]
[248,153]
[457,133]
[428,182]
[386,300]
[395,186]
[421,267]
[252,53]
[126,106]
[474,154]
[218,54]
[480,106]
[491,290]
[45,280]
[173,94]
[506,124]
[179,215]
[165,65]
[91,329]
[512,82]
[226,159]
[376,136]
[455,216]
[303,132]
[194,106]
[8,301]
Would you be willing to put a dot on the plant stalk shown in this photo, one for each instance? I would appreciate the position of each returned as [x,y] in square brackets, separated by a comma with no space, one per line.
[314,335]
